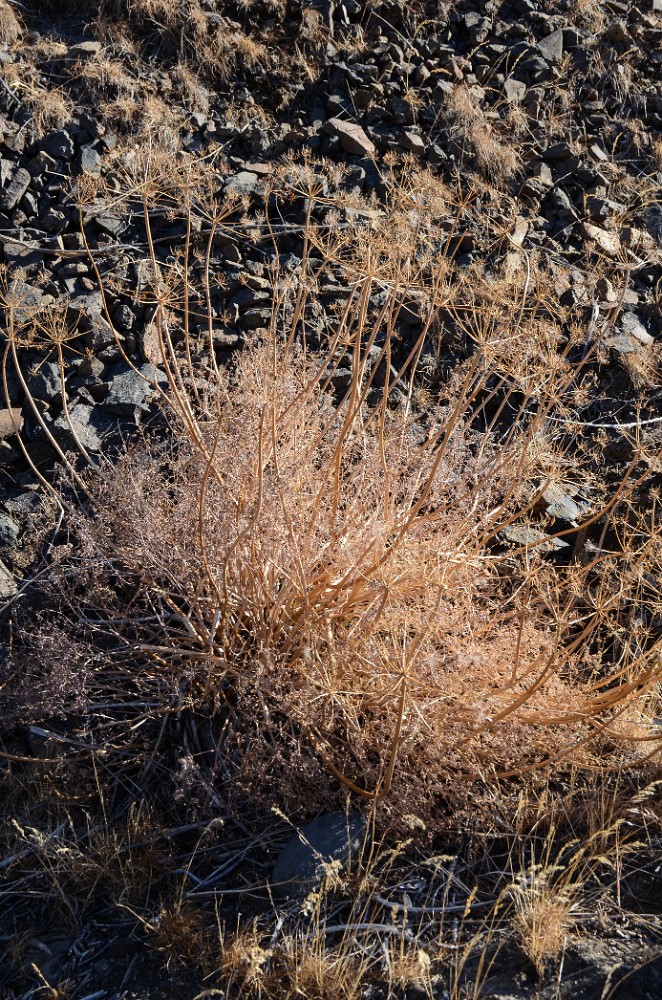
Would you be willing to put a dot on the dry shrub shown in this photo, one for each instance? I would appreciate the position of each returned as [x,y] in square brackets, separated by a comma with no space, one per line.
[322,569]
[315,567]
[10,26]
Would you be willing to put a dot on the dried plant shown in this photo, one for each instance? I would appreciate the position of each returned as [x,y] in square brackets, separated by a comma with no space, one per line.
[304,586]
[10,26]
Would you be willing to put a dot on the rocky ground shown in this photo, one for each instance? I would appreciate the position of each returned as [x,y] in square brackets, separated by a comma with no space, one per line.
[541,124]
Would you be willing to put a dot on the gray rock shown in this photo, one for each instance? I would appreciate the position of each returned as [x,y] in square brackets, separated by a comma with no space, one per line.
[83,303]
[513,90]
[606,291]
[412,142]
[100,333]
[631,324]
[598,153]
[90,369]
[247,297]
[24,506]
[58,144]
[11,422]
[560,200]
[91,125]
[46,383]
[6,171]
[16,188]
[623,343]
[26,300]
[526,535]
[82,425]
[559,151]
[89,161]
[254,319]
[29,204]
[9,531]
[606,241]
[299,868]
[29,259]
[561,506]
[84,50]
[537,68]
[108,223]
[551,47]
[242,184]
[124,317]
[53,220]
[369,216]
[231,253]
[352,137]
[130,391]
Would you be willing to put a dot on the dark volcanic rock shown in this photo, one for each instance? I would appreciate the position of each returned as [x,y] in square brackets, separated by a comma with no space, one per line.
[299,868]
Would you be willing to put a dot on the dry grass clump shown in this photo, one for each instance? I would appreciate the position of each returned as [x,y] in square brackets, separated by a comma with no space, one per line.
[217,44]
[10,26]
[496,158]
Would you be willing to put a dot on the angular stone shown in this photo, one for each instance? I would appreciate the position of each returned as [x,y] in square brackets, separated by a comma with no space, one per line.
[9,531]
[242,184]
[53,220]
[623,343]
[11,422]
[16,188]
[46,382]
[58,144]
[537,68]
[131,390]
[631,324]
[412,142]
[83,302]
[513,90]
[352,137]
[109,223]
[551,47]
[526,535]
[100,333]
[255,319]
[521,229]
[598,153]
[26,300]
[299,868]
[543,173]
[24,506]
[82,425]
[654,221]
[606,291]
[561,506]
[84,50]
[608,242]
[559,151]
[89,161]
[371,216]
[124,317]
